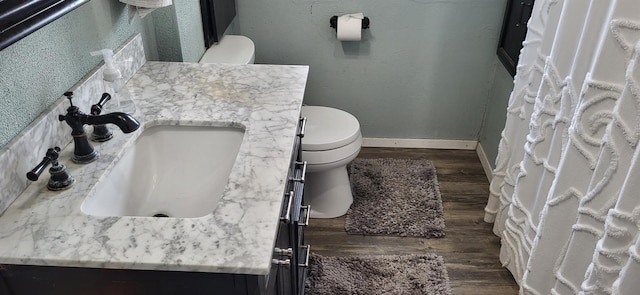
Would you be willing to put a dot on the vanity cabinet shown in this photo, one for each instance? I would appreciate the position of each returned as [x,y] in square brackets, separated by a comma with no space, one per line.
[3,287]
[288,269]
[28,280]
[291,254]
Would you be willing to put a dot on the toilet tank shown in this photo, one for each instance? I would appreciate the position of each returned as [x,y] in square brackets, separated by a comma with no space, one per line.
[232,49]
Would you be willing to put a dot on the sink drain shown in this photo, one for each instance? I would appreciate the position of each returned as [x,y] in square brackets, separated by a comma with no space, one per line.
[160,215]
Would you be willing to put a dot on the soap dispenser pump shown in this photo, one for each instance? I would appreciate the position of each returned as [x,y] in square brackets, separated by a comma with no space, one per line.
[115,84]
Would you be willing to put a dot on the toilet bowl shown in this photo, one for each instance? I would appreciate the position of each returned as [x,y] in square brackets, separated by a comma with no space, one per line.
[332,139]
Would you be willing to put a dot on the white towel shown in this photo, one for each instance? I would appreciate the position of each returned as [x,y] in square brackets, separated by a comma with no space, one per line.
[144,7]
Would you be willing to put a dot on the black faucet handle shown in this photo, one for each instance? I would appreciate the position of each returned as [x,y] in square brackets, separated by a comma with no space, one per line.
[60,178]
[71,108]
[53,153]
[72,111]
[96,109]
[51,157]
[69,95]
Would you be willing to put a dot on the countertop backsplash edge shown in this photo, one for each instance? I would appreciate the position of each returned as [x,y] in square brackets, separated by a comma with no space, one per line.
[28,148]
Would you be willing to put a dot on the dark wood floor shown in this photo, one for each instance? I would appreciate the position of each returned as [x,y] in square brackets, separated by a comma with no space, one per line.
[470,249]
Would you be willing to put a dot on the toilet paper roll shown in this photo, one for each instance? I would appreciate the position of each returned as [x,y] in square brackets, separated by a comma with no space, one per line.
[349,27]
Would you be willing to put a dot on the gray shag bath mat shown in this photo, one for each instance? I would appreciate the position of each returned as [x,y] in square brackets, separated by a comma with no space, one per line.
[395,197]
[370,275]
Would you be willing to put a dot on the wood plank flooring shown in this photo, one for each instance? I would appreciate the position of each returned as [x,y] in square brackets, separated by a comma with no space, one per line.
[470,248]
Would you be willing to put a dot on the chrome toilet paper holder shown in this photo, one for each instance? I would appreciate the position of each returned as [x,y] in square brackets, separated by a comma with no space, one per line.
[333,22]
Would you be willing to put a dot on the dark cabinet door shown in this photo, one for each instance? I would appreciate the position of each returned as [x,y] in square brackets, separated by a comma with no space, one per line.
[4,289]
[514,30]
[51,280]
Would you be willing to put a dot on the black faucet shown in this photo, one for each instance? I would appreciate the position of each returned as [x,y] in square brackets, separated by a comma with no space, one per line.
[100,132]
[83,150]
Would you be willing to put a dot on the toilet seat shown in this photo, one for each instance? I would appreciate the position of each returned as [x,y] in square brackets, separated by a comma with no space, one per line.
[334,155]
[328,128]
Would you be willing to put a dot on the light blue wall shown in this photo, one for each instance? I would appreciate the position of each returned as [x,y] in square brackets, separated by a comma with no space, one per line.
[423,70]
[190,27]
[35,71]
[496,114]
[166,30]
[179,32]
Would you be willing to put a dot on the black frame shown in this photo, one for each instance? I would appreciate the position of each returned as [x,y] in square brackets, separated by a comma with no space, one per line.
[19,18]
[514,29]
[208,23]
[216,17]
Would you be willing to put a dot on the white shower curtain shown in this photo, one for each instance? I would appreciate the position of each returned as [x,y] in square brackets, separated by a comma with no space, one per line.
[565,197]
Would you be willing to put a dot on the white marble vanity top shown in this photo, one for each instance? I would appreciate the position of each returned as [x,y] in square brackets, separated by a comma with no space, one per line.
[47,228]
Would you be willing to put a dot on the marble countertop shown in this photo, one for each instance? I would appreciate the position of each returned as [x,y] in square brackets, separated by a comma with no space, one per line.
[47,228]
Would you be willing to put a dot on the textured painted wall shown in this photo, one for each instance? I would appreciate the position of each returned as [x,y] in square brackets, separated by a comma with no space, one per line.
[190,28]
[166,31]
[35,71]
[423,70]
[496,112]
[179,32]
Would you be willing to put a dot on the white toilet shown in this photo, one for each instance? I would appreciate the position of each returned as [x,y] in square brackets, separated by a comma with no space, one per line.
[332,139]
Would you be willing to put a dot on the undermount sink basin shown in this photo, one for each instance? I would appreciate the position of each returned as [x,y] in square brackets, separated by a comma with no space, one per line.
[170,171]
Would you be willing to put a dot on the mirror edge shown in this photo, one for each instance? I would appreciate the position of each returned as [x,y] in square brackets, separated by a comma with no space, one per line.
[30,21]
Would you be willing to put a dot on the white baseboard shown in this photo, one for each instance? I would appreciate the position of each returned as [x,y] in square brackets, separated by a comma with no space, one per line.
[433,144]
[420,143]
[486,164]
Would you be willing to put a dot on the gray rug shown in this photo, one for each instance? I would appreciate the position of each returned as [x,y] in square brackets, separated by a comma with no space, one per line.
[395,197]
[369,275]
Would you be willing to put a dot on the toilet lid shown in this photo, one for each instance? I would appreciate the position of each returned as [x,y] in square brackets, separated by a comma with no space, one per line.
[328,128]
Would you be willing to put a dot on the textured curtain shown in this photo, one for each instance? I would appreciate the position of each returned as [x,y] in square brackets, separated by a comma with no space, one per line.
[565,197]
